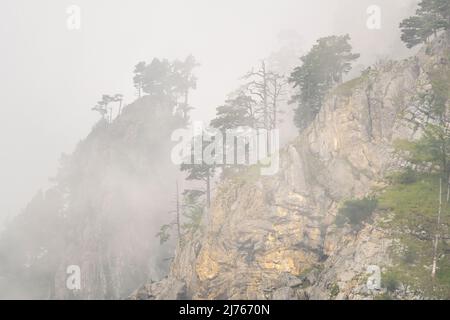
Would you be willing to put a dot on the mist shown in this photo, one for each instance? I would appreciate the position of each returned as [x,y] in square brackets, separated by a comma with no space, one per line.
[52,76]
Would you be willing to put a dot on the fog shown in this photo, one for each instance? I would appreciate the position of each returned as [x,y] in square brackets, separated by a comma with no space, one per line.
[52,76]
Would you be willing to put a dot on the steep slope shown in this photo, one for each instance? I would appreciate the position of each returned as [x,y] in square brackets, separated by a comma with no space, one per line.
[101,215]
[276,237]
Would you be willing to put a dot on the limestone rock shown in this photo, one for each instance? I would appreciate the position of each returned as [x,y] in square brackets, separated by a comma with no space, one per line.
[260,231]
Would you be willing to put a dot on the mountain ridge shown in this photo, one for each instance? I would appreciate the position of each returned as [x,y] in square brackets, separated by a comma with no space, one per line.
[276,237]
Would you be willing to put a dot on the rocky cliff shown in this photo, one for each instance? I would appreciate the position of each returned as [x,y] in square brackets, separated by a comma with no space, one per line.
[276,237]
[100,215]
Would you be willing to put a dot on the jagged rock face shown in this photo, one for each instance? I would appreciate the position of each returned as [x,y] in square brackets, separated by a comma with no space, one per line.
[102,214]
[275,237]
[112,215]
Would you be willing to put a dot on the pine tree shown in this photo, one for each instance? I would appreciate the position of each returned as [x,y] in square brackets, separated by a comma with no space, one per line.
[118,98]
[236,112]
[431,17]
[324,66]
[184,80]
[199,169]
[165,229]
[193,206]
[156,79]
[166,80]
[102,107]
[138,78]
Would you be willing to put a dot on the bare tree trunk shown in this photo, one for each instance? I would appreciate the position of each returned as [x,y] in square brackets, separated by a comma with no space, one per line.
[266,107]
[208,192]
[178,214]
[274,115]
[274,104]
[186,104]
[120,107]
[437,235]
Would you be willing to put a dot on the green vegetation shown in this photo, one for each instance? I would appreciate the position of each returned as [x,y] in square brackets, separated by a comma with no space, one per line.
[431,17]
[414,206]
[164,233]
[334,290]
[236,112]
[407,176]
[440,81]
[189,214]
[383,296]
[323,67]
[202,170]
[390,282]
[193,208]
[355,212]
[414,203]
[418,198]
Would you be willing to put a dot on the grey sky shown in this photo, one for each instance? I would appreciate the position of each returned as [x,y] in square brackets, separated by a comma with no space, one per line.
[51,77]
